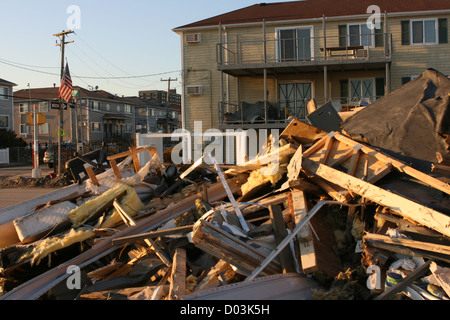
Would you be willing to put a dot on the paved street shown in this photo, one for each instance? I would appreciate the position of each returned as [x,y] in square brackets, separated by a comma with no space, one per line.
[12,196]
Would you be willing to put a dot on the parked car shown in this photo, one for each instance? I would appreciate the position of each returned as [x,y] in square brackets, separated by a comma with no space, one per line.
[51,154]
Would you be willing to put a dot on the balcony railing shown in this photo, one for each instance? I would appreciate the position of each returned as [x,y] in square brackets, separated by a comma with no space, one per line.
[309,50]
[232,113]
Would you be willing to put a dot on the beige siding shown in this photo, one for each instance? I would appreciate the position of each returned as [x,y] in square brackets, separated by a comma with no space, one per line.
[245,45]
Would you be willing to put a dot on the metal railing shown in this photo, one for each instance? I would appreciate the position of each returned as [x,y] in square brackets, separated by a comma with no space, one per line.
[305,50]
[280,111]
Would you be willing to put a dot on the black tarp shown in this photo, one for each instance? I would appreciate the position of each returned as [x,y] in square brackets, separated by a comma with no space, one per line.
[412,121]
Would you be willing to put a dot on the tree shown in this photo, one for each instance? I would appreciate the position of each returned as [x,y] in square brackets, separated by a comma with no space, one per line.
[8,139]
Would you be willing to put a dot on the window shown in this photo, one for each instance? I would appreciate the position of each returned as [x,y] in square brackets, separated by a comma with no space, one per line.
[44,128]
[294,44]
[4,122]
[24,129]
[23,107]
[128,128]
[95,105]
[43,107]
[4,93]
[96,127]
[360,35]
[361,89]
[424,31]
[152,112]
[127,108]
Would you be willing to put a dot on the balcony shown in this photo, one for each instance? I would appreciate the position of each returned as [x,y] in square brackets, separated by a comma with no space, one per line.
[253,114]
[297,54]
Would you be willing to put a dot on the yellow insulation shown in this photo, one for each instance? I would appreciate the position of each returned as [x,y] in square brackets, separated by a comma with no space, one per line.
[130,202]
[52,244]
[257,178]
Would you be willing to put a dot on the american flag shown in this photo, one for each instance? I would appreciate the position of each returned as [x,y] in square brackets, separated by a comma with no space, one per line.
[66,88]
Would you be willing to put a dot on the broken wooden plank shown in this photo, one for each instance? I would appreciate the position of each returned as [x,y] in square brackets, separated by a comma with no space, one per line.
[414,244]
[152,234]
[440,168]
[304,238]
[400,166]
[223,245]
[280,232]
[405,207]
[178,277]
[302,132]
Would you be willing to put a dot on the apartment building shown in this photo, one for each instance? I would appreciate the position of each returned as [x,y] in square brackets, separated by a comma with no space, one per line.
[6,105]
[258,66]
[93,117]
[160,96]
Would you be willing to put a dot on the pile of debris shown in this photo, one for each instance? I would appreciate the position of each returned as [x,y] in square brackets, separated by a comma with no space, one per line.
[316,216]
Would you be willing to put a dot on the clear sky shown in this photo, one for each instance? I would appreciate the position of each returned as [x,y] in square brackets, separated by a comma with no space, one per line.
[112,39]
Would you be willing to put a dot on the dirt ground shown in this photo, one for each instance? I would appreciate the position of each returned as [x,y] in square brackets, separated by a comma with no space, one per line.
[28,182]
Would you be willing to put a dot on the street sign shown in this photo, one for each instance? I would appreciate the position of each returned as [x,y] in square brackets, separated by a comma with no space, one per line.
[55,105]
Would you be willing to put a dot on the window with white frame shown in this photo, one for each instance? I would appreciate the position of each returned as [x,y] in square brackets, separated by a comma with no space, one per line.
[127,108]
[4,122]
[4,93]
[424,31]
[362,89]
[360,35]
[23,107]
[44,128]
[294,44]
[96,127]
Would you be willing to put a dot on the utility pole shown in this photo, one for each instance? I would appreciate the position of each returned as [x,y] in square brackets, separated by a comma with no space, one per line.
[167,101]
[63,42]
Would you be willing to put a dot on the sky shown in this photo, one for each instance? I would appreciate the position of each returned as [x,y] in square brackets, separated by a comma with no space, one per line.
[118,46]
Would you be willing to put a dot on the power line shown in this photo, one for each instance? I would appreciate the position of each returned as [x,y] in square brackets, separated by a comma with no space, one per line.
[92,77]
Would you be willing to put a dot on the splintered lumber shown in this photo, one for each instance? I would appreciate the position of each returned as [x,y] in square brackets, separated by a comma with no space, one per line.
[440,168]
[178,276]
[212,279]
[280,232]
[36,287]
[223,245]
[153,234]
[405,207]
[400,166]
[335,151]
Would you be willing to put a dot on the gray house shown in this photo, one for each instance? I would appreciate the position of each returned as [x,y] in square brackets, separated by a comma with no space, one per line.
[6,105]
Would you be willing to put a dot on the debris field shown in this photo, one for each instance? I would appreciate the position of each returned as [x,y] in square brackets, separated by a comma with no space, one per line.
[317,216]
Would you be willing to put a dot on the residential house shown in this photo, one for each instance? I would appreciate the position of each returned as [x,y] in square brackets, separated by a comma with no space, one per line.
[258,66]
[93,116]
[155,117]
[6,105]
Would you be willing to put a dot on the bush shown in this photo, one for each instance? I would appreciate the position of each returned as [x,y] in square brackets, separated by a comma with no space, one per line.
[9,139]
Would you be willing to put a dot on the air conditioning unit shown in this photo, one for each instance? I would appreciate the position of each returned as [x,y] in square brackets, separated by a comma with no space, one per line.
[193,38]
[194,90]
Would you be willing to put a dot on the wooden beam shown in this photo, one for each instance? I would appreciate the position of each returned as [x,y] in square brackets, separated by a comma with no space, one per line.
[178,277]
[405,207]
[280,232]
